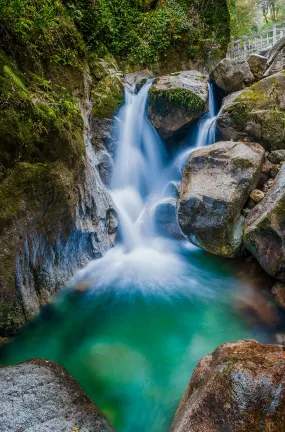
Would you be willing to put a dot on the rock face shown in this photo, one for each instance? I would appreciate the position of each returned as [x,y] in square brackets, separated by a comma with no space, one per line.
[276,58]
[216,183]
[232,75]
[41,396]
[278,292]
[56,214]
[255,113]
[240,387]
[265,230]
[177,99]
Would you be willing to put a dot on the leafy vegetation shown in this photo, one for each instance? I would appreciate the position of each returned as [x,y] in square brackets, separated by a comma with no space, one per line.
[251,16]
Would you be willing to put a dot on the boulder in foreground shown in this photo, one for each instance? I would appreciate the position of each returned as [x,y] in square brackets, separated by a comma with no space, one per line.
[238,388]
[216,184]
[41,396]
[177,99]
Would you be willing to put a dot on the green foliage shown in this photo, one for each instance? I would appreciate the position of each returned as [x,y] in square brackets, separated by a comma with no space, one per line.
[146,37]
[39,31]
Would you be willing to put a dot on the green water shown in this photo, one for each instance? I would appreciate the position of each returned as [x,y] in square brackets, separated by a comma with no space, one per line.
[134,354]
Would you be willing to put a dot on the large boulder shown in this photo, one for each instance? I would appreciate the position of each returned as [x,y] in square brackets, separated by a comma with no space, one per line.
[40,396]
[276,58]
[216,183]
[240,387]
[256,113]
[265,229]
[177,99]
[232,75]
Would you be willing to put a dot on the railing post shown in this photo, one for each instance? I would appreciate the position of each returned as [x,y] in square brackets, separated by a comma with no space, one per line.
[274,34]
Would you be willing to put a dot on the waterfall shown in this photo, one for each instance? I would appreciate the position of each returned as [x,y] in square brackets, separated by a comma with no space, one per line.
[141,175]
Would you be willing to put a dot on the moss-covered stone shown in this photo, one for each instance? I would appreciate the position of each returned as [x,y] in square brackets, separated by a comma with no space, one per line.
[257,113]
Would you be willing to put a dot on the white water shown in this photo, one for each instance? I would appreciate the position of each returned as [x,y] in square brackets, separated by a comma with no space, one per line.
[141,173]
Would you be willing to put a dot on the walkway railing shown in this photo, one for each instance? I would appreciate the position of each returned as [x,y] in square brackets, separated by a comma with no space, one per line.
[242,48]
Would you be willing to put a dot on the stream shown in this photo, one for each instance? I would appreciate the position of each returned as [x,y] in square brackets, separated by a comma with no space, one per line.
[132,325]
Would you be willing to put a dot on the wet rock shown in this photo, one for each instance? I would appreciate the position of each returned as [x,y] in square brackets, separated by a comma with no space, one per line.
[232,75]
[138,78]
[177,99]
[41,396]
[257,195]
[257,64]
[278,292]
[240,387]
[277,156]
[255,113]
[216,184]
[276,58]
[171,190]
[264,234]
[165,217]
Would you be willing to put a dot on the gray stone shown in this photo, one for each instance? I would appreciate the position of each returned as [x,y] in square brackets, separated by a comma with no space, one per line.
[265,229]
[277,156]
[257,64]
[41,396]
[216,184]
[177,99]
[232,75]
[240,387]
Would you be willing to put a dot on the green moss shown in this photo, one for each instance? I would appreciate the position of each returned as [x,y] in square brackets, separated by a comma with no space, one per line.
[183,99]
[242,163]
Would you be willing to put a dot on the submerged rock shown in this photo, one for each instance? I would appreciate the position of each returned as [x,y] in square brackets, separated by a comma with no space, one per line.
[240,387]
[278,292]
[264,234]
[232,75]
[216,184]
[255,113]
[177,99]
[40,396]
[165,217]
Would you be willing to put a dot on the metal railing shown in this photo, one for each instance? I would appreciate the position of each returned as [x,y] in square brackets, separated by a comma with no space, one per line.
[242,48]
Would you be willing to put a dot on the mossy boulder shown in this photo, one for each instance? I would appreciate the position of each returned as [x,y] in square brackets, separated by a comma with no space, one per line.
[177,99]
[264,234]
[216,184]
[238,388]
[256,113]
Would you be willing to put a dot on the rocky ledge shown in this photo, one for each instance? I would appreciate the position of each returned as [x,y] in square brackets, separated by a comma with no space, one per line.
[240,387]
[41,396]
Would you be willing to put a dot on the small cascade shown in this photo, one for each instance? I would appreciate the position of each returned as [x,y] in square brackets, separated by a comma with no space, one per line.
[205,134]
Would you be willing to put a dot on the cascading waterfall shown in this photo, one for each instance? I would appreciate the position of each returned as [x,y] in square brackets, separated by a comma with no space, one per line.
[153,306]
[140,176]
